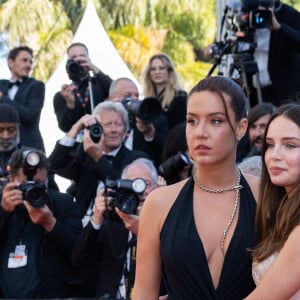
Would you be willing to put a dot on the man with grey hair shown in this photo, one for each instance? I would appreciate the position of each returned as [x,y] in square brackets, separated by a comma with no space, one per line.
[87,162]
[148,137]
[110,243]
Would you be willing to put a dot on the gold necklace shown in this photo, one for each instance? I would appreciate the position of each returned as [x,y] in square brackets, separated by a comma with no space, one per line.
[237,188]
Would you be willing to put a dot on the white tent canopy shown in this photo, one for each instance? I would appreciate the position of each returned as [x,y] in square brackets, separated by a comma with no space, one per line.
[102,53]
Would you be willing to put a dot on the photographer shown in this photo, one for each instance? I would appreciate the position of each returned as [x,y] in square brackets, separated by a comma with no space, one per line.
[9,136]
[10,141]
[84,93]
[38,229]
[87,162]
[148,137]
[105,241]
[276,50]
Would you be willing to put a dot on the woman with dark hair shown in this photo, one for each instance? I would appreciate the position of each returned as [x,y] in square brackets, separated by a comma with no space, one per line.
[161,80]
[276,266]
[203,225]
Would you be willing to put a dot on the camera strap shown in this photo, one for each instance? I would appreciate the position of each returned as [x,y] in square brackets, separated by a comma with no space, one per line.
[130,263]
[83,96]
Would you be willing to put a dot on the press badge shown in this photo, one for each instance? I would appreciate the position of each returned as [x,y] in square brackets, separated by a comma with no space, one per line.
[18,258]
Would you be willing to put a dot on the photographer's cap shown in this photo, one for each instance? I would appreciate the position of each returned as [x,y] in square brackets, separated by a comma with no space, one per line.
[8,114]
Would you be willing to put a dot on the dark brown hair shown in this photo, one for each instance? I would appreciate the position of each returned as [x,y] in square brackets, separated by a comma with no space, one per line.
[13,53]
[277,214]
[224,85]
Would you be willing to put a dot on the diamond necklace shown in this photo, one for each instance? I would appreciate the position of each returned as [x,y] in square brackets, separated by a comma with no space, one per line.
[237,188]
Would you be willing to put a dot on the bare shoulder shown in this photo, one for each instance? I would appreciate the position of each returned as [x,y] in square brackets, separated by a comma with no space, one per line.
[294,238]
[160,200]
[253,182]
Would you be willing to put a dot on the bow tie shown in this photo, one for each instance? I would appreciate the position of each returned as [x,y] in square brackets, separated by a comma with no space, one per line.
[11,84]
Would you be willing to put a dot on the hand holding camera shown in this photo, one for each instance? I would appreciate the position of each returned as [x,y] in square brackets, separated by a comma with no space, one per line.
[99,209]
[122,194]
[86,121]
[41,216]
[67,91]
[130,221]
[11,196]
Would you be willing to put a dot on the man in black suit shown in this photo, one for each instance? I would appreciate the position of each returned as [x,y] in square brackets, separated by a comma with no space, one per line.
[148,137]
[38,228]
[26,94]
[84,93]
[89,163]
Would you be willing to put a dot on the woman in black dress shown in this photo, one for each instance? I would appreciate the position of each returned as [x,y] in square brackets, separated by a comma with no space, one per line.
[196,233]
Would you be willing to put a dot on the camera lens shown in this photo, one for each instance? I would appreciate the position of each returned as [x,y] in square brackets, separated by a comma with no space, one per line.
[173,165]
[35,194]
[96,131]
[127,203]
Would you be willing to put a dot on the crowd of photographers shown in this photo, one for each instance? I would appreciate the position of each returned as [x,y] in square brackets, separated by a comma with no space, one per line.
[115,150]
[82,243]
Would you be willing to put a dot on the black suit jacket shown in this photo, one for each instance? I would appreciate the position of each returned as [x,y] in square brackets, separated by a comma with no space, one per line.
[58,278]
[29,101]
[105,250]
[284,57]
[73,163]
[155,147]
[67,117]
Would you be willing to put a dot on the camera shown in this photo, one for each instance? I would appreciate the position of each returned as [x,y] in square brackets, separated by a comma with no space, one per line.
[34,192]
[148,110]
[241,19]
[96,131]
[124,194]
[75,71]
[173,165]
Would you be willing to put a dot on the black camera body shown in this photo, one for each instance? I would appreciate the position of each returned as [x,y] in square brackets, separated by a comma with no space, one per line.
[35,193]
[124,194]
[173,165]
[148,110]
[242,18]
[96,131]
[75,71]
[247,17]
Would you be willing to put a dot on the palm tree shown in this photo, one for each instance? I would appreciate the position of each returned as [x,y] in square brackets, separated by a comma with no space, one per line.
[41,25]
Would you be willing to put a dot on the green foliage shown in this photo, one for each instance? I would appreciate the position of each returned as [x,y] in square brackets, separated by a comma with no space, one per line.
[192,72]
[195,20]
[178,48]
[136,45]
[41,25]
[116,14]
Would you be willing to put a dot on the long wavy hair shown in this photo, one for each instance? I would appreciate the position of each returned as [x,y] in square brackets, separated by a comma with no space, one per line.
[277,214]
[173,84]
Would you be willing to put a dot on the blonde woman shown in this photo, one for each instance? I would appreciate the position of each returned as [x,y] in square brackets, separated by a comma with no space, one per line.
[161,80]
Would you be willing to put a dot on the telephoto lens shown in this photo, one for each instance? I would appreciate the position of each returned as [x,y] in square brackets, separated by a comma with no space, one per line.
[173,165]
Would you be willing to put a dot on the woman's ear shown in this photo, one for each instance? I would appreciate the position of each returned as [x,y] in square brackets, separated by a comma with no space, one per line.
[241,128]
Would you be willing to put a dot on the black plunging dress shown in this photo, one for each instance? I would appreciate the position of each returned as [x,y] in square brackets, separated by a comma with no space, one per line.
[185,269]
